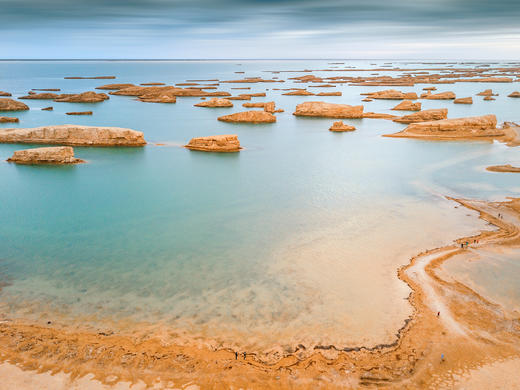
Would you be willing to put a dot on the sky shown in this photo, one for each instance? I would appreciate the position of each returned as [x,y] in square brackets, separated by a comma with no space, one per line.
[220,29]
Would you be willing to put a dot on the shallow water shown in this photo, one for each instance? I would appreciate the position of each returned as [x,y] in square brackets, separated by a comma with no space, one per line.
[295,239]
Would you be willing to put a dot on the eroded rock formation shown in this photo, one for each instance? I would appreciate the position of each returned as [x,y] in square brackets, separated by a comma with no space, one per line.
[328,110]
[215,143]
[48,155]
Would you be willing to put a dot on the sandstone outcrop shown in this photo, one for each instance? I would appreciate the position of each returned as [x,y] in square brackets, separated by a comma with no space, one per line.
[328,110]
[84,97]
[267,106]
[408,105]
[301,92]
[392,94]
[503,168]
[479,127]
[74,135]
[42,96]
[7,104]
[48,155]
[515,94]
[115,86]
[215,102]
[424,116]
[441,96]
[466,100]
[329,94]
[47,108]
[160,94]
[249,117]
[8,119]
[79,113]
[339,126]
[487,92]
[215,143]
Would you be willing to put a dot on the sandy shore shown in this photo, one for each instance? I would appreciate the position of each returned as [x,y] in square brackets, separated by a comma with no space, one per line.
[475,336]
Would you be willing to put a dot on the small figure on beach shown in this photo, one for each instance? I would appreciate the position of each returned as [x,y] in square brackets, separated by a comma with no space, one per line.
[236,355]
[245,356]
[438,313]
[442,357]
[461,245]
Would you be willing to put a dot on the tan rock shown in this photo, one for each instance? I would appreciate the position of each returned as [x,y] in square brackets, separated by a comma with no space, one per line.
[424,116]
[487,92]
[392,94]
[42,96]
[515,94]
[79,113]
[489,98]
[329,94]
[48,155]
[47,109]
[441,96]
[115,86]
[466,100]
[74,135]
[340,126]
[8,119]
[267,106]
[367,99]
[215,102]
[301,92]
[2,93]
[215,143]
[378,115]
[503,168]
[479,127]
[85,97]
[249,117]
[408,105]
[160,94]
[152,84]
[239,97]
[7,104]
[328,110]
[429,88]
[157,98]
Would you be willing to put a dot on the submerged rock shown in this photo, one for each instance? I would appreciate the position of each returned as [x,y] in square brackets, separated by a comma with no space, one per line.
[249,116]
[466,100]
[215,102]
[215,143]
[328,110]
[424,116]
[339,126]
[8,119]
[48,155]
[7,104]
[408,105]
[74,135]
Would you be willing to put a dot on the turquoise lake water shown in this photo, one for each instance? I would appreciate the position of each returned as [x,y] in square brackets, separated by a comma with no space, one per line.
[297,238]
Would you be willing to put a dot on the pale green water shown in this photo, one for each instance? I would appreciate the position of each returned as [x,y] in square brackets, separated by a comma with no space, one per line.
[296,238]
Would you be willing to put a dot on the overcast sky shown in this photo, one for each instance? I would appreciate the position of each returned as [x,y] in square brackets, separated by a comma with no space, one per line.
[422,29]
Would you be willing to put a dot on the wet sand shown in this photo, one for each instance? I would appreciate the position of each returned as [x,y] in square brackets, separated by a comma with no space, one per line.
[473,333]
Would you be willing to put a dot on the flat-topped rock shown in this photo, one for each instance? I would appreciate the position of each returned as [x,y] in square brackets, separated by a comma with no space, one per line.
[7,104]
[486,92]
[515,94]
[487,98]
[466,100]
[215,102]
[48,155]
[503,168]
[328,110]
[301,92]
[3,93]
[84,97]
[378,115]
[115,86]
[478,127]
[329,94]
[215,143]
[267,106]
[424,116]
[408,105]
[249,117]
[339,126]
[441,96]
[47,108]
[42,96]
[392,94]
[9,119]
[74,135]
[79,113]
[151,94]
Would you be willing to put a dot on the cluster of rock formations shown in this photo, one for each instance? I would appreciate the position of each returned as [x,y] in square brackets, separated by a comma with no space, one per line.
[339,126]
[84,97]
[215,143]
[74,135]
[7,104]
[249,117]
[328,110]
[48,155]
